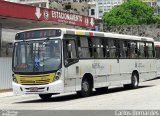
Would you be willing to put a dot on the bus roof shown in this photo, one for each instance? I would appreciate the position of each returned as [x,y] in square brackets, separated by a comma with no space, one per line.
[95,33]
[107,34]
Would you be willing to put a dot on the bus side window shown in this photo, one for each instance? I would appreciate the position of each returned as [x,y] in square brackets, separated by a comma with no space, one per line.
[112,48]
[146,50]
[136,50]
[90,46]
[70,51]
[151,52]
[133,50]
[79,47]
[84,47]
[98,47]
[129,49]
[157,52]
[123,48]
[107,49]
[141,49]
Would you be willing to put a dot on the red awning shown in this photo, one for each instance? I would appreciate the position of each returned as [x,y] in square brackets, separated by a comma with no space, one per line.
[25,13]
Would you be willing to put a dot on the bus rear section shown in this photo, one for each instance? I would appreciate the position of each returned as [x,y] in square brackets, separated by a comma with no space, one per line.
[157,51]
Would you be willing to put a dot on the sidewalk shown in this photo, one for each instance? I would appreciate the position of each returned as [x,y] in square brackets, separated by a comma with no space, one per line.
[6,93]
[5,90]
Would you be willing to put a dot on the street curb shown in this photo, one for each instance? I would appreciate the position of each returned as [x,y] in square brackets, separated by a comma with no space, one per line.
[6,93]
[5,90]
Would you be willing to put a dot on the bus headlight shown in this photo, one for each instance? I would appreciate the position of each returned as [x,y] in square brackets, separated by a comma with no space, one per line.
[14,78]
[58,75]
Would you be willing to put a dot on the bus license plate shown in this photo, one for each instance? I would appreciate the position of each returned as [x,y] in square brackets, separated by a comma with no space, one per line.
[34,89]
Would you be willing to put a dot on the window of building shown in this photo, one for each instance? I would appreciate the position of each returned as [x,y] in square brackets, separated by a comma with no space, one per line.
[92,12]
[100,11]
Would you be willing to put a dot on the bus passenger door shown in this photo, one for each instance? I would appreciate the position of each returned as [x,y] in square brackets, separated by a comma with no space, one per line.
[70,60]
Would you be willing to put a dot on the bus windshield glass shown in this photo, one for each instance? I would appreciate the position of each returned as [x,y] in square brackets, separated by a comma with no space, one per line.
[37,56]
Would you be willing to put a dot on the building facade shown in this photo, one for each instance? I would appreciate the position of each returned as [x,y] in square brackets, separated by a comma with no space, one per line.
[98,7]
[152,3]
[158,6]
[38,3]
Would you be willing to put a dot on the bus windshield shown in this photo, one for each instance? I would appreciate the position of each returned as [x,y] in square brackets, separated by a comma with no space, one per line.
[37,56]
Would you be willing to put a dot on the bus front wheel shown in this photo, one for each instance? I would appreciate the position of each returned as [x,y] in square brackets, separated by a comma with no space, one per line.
[86,88]
[45,97]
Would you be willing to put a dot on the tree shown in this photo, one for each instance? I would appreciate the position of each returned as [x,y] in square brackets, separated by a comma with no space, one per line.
[156,19]
[132,12]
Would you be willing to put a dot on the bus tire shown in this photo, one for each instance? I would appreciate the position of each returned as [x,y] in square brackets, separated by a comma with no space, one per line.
[86,88]
[134,82]
[45,97]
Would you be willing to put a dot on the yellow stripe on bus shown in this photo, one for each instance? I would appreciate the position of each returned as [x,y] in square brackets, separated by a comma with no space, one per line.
[35,79]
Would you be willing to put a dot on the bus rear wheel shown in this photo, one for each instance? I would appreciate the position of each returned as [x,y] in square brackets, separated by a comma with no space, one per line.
[134,82]
[45,97]
[86,88]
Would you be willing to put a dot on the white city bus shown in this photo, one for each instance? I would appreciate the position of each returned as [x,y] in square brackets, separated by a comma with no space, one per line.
[57,60]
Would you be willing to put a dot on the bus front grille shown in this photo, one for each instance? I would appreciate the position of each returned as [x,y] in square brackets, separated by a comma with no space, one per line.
[35,79]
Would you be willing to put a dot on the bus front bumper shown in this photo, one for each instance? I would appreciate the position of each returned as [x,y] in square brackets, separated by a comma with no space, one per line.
[55,87]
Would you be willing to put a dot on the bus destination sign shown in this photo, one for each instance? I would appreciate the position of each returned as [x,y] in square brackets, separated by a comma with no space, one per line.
[38,34]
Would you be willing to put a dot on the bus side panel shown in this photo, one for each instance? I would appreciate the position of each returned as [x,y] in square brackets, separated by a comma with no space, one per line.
[84,66]
[101,68]
[74,74]
[127,66]
[107,70]
[147,69]
[158,67]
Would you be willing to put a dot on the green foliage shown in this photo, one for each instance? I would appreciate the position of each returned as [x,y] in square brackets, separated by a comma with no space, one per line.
[132,12]
[156,19]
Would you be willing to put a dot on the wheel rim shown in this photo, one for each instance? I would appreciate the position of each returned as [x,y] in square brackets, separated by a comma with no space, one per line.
[85,86]
[135,81]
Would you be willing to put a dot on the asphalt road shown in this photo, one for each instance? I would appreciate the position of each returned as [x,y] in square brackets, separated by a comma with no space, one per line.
[146,97]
